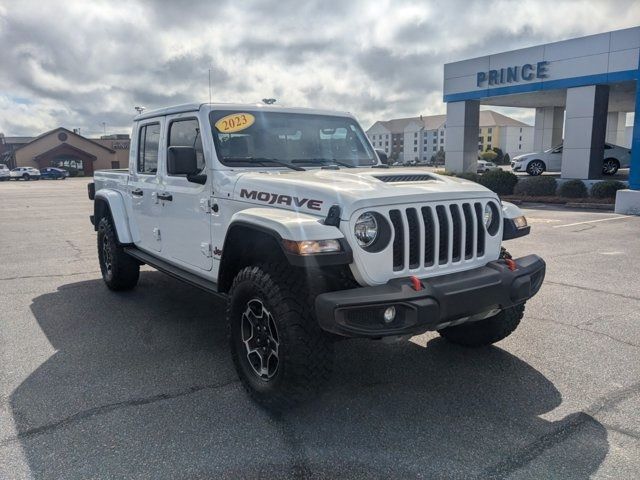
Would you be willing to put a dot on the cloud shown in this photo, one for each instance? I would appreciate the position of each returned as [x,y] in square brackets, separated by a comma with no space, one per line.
[80,63]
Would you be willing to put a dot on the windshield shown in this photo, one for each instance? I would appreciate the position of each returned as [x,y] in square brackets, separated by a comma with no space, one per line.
[272,139]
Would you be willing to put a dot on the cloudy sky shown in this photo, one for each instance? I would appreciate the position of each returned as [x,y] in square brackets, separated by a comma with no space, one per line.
[81,63]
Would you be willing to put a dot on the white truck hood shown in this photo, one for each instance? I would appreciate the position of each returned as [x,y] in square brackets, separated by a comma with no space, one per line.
[315,191]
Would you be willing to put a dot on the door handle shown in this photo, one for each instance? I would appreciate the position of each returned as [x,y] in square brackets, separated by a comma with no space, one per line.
[167,197]
[138,192]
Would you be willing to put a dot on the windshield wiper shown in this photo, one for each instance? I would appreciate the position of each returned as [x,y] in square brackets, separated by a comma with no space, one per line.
[262,161]
[323,161]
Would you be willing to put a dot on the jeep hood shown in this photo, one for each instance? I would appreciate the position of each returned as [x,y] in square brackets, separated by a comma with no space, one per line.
[315,191]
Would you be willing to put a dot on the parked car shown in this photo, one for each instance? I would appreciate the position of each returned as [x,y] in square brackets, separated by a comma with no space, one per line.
[5,173]
[313,255]
[25,173]
[485,166]
[53,173]
[615,157]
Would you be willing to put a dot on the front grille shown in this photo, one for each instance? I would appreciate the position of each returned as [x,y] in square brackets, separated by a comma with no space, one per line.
[437,235]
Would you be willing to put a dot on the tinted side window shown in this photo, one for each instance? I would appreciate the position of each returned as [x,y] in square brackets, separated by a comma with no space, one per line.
[148,145]
[186,133]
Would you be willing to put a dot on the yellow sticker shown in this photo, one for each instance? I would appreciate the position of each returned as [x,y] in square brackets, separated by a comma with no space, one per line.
[235,122]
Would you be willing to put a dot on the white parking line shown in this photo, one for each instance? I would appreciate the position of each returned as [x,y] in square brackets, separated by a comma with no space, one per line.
[593,221]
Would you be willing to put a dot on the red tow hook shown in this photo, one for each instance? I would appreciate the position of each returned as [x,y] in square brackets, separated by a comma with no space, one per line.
[416,284]
[511,264]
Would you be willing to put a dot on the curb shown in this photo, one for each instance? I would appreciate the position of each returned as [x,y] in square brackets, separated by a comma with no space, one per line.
[592,206]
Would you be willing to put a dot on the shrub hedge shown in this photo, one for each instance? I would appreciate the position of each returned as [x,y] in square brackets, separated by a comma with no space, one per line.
[542,186]
[573,189]
[500,181]
[606,189]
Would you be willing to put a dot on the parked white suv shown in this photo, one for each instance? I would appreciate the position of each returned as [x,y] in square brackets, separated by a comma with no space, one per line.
[25,173]
[615,157]
[5,173]
[291,217]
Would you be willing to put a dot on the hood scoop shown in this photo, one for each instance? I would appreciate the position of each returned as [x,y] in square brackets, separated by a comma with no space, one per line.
[405,178]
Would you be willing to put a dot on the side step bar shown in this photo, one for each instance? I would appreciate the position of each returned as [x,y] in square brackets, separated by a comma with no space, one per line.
[173,271]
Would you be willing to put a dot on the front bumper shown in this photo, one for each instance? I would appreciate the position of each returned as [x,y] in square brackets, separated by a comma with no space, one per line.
[448,298]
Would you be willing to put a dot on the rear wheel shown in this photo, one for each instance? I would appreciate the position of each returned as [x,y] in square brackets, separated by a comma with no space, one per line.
[536,167]
[487,331]
[610,166]
[26,177]
[119,270]
[282,356]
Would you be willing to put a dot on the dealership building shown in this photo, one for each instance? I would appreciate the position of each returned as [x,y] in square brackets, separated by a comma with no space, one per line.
[581,90]
[66,149]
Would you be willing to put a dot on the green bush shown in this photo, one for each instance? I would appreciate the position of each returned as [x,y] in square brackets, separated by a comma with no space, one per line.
[499,181]
[489,155]
[474,177]
[606,189]
[542,186]
[573,189]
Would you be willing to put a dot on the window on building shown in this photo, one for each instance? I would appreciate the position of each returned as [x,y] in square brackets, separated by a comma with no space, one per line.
[489,138]
[415,135]
[490,130]
[520,138]
[386,144]
[442,140]
[415,149]
[435,140]
[441,133]
[480,139]
[387,136]
[519,147]
[148,146]
[488,146]
[479,148]
[186,133]
[425,149]
[435,149]
[520,129]
[415,142]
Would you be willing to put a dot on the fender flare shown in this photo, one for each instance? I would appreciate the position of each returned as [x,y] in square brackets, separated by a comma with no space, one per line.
[509,229]
[281,225]
[113,201]
[288,225]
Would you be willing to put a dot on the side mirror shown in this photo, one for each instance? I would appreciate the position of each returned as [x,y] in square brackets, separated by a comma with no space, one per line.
[184,161]
[383,157]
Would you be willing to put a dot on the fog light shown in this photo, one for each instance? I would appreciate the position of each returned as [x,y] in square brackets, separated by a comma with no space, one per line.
[389,314]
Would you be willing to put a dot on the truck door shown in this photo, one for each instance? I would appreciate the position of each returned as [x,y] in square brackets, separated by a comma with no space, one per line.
[144,184]
[186,221]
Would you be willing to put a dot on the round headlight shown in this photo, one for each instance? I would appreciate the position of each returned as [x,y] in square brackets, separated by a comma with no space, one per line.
[366,229]
[488,215]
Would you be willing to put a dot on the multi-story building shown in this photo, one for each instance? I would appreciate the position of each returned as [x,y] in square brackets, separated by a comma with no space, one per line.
[419,138]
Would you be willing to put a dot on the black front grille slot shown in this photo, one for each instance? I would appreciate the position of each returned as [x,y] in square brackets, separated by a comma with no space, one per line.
[429,239]
[457,232]
[468,223]
[481,230]
[398,240]
[414,238]
[443,222]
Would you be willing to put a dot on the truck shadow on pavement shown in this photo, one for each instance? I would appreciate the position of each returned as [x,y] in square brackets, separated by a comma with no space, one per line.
[142,385]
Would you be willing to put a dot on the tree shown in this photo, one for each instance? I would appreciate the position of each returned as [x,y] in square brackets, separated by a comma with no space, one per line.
[438,158]
[489,155]
[500,155]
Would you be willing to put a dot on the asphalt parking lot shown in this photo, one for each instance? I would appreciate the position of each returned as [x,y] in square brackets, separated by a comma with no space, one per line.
[95,384]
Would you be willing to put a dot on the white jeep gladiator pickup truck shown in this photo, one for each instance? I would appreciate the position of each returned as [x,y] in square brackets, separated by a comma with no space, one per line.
[293,217]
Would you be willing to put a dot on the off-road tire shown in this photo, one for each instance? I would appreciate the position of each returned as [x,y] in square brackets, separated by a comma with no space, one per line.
[487,331]
[119,270]
[305,352]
